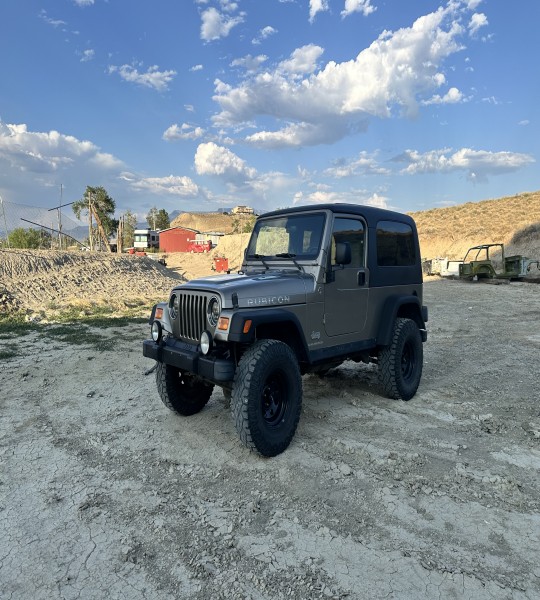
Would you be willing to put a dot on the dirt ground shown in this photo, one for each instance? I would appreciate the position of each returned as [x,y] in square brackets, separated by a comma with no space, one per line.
[104,493]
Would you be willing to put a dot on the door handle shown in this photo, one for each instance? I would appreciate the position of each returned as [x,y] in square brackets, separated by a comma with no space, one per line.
[361,278]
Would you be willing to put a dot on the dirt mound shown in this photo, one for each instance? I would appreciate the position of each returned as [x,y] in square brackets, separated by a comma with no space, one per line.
[232,247]
[451,231]
[45,283]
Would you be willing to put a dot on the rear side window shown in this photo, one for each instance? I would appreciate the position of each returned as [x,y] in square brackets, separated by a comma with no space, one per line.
[395,244]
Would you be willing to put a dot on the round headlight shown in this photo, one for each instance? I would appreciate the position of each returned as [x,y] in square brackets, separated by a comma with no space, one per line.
[206,342]
[156,331]
[213,311]
[174,304]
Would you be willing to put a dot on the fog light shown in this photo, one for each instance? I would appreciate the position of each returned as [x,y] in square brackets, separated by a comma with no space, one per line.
[156,331]
[206,342]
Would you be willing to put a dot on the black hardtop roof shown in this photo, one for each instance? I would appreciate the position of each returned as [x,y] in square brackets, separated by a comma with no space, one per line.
[372,214]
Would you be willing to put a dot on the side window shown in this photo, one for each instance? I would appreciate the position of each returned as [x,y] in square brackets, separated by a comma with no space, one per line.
[395,244]
[351,231]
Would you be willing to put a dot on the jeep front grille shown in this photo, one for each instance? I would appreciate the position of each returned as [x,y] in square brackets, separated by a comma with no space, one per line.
[191,320]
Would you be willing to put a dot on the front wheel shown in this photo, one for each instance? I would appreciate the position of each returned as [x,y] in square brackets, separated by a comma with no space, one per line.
[400,363]
[267,397]
[181,392]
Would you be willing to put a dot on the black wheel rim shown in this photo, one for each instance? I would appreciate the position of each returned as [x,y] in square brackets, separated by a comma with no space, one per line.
[274,399]
[408,361]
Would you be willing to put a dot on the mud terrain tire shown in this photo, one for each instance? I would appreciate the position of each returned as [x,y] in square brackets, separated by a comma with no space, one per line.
[400,363]
[181,392]
[267,397]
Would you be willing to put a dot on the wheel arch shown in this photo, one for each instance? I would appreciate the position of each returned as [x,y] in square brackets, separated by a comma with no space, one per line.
[407,307]
[275,324]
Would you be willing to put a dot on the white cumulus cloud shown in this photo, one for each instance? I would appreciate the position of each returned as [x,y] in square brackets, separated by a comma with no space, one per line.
[478,164]
[88,55]
[172,185]
[362,6]
[49,20]
[478,20]
[216,25]
[323,196]
[317,6]
[393,76]
[152,78]
[452,96]
[47,152]
[365,164]
[183,132]
[250,63]
[34,163]
[297,135]
[303,60]
[264,33]
[211,159]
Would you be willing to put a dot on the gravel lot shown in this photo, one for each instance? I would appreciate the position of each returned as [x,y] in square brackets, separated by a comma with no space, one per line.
[104,493]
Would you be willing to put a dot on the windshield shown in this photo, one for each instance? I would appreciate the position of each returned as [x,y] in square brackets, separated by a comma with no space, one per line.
[295,236]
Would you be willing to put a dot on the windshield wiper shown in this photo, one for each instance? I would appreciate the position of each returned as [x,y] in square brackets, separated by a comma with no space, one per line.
[259,257]
[291,256]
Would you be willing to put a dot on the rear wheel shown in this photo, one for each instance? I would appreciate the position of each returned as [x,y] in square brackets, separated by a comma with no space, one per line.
[182,392]
[400,363]
[267,397]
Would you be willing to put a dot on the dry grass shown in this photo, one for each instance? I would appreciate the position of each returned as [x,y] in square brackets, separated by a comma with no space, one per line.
[451,231]
[207,222]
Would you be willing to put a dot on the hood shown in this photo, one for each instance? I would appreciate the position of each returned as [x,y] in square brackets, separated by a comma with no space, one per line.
[270,288]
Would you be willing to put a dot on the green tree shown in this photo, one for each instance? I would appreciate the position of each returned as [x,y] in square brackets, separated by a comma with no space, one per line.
[130,223]
[29,238]
[102,204]
[249,224]
[158,219]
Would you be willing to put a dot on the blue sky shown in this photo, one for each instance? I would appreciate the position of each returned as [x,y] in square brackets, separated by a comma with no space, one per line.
[205,104]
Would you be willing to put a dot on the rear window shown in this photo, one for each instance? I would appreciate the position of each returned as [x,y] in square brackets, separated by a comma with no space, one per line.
[395,244]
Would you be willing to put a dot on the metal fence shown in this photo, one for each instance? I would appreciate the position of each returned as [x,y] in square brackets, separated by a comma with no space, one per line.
[59,228]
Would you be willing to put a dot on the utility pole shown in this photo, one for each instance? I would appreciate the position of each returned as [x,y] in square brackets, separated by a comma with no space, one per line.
[58,210]
[60,219]
[5,222]
[120,235]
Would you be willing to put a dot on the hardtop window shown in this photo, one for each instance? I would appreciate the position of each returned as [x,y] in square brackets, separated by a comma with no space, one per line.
[298,235]
[351,231]
[395,244]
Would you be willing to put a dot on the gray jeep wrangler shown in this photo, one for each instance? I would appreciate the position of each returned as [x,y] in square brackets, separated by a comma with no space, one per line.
[318,286]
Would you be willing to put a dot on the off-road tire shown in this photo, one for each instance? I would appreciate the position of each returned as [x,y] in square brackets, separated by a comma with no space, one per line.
[181,392]
[400,363]
[267,397]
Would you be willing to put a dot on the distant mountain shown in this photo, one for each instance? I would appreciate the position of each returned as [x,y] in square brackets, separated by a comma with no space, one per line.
[174,214]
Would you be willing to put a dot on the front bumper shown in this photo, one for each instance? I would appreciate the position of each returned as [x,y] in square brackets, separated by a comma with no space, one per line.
[180,355]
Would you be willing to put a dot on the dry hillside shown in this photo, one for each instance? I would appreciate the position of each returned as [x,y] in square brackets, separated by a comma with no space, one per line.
[206,222]
[451,231]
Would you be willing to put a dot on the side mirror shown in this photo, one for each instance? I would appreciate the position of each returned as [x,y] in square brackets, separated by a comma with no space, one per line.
[343,253]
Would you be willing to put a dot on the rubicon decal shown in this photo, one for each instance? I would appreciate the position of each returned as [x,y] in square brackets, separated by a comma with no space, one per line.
[268,300]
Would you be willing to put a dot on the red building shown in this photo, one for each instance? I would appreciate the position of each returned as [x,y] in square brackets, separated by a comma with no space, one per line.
[176,239]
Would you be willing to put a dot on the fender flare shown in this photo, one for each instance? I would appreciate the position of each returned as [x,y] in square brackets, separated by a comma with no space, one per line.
[393,304]
[262,317]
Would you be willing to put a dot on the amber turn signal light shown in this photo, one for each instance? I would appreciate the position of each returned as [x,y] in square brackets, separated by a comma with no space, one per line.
[223,323]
